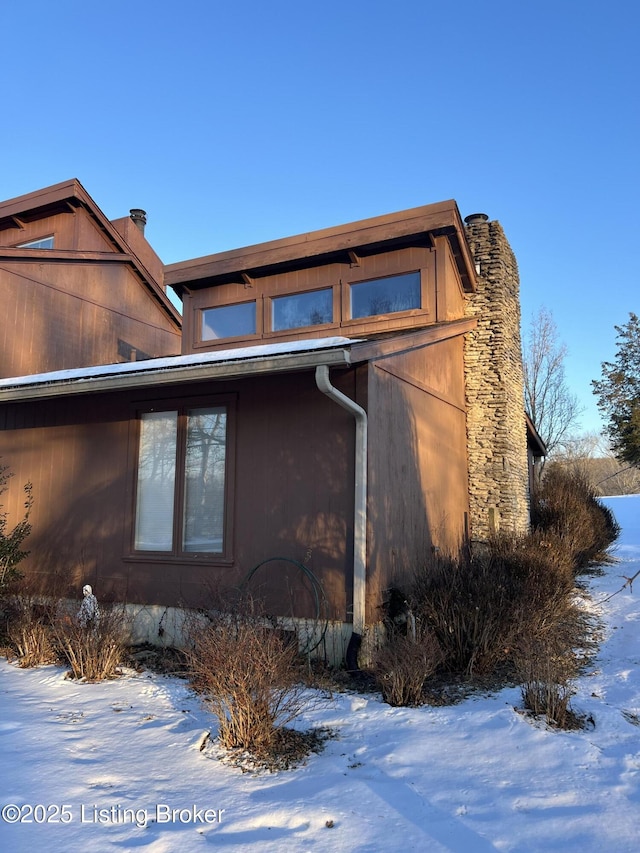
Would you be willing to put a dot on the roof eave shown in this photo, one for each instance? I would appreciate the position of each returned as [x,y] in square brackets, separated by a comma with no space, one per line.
[300,250]
[218,371]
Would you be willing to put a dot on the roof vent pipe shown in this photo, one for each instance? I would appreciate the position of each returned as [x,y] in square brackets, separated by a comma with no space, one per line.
[139,217]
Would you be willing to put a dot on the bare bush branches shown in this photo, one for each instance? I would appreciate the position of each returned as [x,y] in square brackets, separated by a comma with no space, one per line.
[248,674]
[404,664]
[29,630]
[94,653]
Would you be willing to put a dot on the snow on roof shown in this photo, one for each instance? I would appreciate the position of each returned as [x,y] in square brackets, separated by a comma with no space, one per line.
[261,351]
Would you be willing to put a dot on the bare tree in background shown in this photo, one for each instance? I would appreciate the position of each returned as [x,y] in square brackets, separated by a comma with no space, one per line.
[592,456]
[550,404]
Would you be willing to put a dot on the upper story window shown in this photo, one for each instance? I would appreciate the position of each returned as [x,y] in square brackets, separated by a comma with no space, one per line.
[302,309]
[229,321]
[181,481]
[385,295]
[42,243]
[282,306]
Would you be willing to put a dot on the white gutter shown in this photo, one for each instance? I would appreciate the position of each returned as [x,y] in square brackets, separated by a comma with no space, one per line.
[360,495]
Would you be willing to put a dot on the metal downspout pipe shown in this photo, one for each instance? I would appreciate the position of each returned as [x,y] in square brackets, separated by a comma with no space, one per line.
[360,507]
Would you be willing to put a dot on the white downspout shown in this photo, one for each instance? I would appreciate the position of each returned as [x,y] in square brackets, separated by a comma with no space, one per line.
[360,496]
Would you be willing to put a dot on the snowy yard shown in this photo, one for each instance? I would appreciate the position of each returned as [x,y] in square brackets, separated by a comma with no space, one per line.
[117,766]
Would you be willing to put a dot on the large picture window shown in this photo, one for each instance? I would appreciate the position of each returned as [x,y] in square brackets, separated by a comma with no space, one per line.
[385,295]
[181,481]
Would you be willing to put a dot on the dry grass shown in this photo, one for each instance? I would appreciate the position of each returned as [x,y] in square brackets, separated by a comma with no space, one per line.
[94,653]
[28,630]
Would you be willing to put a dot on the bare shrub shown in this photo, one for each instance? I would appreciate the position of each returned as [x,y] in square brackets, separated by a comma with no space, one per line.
[565,505]
[480,604]
[29,631]
[546,667]
[96,651]
[249,676]
[403,665]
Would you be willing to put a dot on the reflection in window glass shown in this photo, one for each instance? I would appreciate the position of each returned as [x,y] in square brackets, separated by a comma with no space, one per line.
[156,481]
[42,243]
[204,480]
[385,295]
[302,309]
[229,321]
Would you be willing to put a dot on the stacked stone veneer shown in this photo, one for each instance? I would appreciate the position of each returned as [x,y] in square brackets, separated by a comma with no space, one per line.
[496,427]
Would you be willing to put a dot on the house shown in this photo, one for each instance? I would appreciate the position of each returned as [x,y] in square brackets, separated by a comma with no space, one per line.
[345,403]
[76,289]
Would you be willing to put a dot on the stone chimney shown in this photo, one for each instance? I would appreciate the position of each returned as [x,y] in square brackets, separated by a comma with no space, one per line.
[496,426]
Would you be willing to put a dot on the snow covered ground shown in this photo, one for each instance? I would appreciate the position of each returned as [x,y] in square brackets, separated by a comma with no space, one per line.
[117,766]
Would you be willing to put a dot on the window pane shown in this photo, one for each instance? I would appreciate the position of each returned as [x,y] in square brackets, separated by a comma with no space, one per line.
[42,243]
[156,481]
[230,321]
[385,295]
[303,309]
[204,480]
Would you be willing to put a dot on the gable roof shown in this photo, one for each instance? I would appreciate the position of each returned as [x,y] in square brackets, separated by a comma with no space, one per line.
[70,195]
[418,225]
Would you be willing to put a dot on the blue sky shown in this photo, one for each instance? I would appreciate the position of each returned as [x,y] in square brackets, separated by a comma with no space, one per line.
[231,124]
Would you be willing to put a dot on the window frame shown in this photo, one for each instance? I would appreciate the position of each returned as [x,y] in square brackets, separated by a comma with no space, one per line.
[177,555]
[372,318]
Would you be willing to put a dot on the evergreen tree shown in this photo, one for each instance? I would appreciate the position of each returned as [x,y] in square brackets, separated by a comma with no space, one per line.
[11,551]
[618,393]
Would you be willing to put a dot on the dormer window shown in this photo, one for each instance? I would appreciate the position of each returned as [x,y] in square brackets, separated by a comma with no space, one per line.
[41,243]
[385,295]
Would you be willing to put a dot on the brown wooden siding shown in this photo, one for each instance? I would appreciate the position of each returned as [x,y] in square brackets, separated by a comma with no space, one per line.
[292,496]
[82,303]
[336,275]
[72,230]
[451,299]
[76,314]
[418,496]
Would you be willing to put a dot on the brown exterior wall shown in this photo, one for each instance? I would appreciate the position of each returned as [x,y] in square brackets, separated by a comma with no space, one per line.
[77,314]
[79,304]
[418,495]
[292,494]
